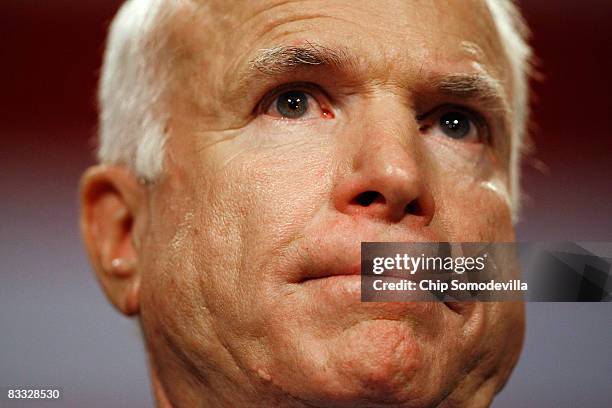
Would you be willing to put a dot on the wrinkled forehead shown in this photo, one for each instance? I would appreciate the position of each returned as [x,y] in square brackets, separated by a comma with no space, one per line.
[235,27]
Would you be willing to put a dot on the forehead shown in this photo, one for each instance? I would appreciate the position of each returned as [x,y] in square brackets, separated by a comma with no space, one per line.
[391,27]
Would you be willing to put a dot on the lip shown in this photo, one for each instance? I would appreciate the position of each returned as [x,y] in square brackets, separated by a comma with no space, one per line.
[354,270]
[341,293]
[350,278]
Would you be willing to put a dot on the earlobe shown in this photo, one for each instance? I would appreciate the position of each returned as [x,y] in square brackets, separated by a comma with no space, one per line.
[111,209]
[131,305]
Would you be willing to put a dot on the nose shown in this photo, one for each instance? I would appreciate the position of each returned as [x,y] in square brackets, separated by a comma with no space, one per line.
[387,184]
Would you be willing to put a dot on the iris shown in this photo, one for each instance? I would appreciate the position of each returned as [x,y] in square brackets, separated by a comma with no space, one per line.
[292,104]
[455,125]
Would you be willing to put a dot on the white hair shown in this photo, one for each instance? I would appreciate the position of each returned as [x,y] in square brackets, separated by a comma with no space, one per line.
[134,77]
[131,129]
[513,33]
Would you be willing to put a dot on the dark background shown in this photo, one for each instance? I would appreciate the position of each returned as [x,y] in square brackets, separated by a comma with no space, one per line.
[57,329]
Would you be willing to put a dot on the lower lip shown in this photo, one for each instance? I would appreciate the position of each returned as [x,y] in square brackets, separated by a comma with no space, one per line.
[338,298]
[348,287]
[333,278]
[338,285]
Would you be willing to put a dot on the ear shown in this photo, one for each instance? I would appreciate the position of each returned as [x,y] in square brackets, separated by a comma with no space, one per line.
[112,207]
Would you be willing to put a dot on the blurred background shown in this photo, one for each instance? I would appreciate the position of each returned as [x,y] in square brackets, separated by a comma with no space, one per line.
[57,329]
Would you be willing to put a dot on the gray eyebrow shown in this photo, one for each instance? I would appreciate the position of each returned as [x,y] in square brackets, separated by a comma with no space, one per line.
[284,59]
[478,86]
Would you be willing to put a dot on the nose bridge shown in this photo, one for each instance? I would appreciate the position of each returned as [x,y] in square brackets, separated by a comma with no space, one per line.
[390,147]
[388,150]
[388,124]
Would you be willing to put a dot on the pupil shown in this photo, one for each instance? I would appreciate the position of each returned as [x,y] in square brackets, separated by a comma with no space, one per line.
[455,124]
[292,104]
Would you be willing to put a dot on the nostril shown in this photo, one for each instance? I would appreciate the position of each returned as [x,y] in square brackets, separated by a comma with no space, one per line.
[366,198]
[413,208]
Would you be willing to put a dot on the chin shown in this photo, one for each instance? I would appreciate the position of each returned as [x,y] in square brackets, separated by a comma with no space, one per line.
[374,363]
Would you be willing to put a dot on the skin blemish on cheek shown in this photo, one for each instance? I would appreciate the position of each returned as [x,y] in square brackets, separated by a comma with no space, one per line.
[264,375]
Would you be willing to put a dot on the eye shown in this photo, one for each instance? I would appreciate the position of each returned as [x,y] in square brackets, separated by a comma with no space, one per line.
[455,123]
[297,104]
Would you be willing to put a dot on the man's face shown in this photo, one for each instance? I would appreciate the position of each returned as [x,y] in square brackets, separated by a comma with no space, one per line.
[296,131]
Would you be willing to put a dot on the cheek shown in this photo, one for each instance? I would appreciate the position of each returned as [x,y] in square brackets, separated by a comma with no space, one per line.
[249,200]
[173,316]
[479,214]
[188,294]
[271,188]
[472,201]
[502,337]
